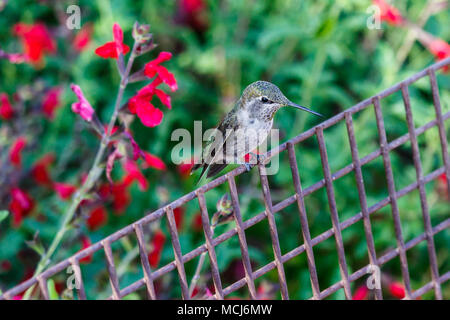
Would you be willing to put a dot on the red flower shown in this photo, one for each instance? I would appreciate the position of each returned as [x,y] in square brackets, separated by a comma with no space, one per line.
[192,13]
[133,173]
[184,169]
[153,67]
[152,161]
[97,218]
[440,49]
[197,222]
[6,110]
[114,48]
[157,245]
[15,153]
[64,190]
[36,40]
[361,293]
[20,206]
[51,102]
[389,13]
[140,105]
[86,243]
[39,171]
[83,38]
[121,197]
[82,107]
[192,6]
[178,214]
[397,290]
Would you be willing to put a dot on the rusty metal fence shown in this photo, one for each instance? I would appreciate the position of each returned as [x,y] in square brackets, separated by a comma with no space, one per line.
[271,209]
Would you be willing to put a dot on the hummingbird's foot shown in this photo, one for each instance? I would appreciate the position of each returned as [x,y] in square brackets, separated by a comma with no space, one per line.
[248,166]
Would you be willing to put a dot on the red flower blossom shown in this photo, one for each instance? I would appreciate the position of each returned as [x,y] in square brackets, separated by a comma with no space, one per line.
[121,197]
[361,293]
[64,190]
[6,110]
[397,290]
[114,48]
[83,38]
[157,245]
[51,102]
[184,169]
[39,171]
[86,243]
[197,222]
[178,214]
[153,67]
[133,173]
[389,13]
[97,218]
[36,40]
[152,161]
[192,5]
[193,14]
[20,206]
[440,49]
[82,107]
[140,105]
[15,153]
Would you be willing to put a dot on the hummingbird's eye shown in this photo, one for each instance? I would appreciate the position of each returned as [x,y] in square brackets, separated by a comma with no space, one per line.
[264,99]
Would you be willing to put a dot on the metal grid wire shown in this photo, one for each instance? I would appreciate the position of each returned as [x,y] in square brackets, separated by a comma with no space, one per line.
[271,209]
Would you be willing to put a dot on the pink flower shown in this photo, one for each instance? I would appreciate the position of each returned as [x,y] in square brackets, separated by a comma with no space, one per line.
[389,13]
[36,40]
[51,102]
[82,107]
[83,38]
[20,206]
[153,67]
[114,48]
[64,190]
[6,110]
[15,153]
[152,161]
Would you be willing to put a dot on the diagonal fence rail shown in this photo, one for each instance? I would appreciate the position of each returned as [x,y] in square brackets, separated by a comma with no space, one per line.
[211,242]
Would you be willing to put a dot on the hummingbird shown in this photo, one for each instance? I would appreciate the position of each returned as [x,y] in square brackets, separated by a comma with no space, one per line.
[244,128]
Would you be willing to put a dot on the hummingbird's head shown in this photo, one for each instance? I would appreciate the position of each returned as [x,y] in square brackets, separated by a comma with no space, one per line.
[266,98]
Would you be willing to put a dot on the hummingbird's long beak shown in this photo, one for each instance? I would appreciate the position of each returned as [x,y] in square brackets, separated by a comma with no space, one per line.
[291,104]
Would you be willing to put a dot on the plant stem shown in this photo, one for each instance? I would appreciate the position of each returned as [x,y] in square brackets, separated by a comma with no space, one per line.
[93,175]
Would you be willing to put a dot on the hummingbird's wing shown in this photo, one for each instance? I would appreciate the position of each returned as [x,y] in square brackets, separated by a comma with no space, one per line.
[226,128]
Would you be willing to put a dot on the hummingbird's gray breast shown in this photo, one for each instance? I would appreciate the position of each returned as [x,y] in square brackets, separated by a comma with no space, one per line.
[251,132]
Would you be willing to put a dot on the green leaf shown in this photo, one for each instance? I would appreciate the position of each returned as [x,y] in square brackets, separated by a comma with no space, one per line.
[53,294]
[3,215]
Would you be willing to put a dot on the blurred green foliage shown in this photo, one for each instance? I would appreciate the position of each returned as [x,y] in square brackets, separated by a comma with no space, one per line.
[320,53]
